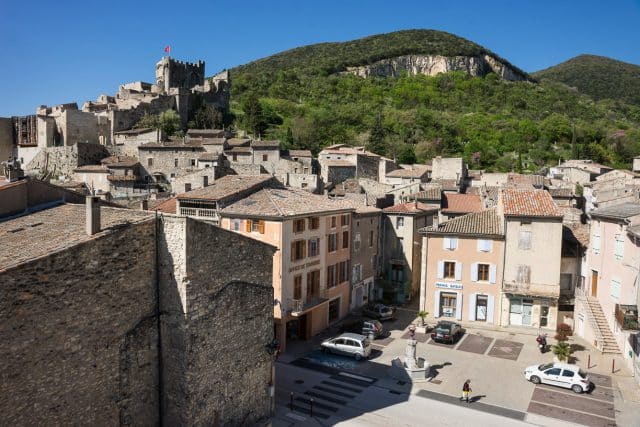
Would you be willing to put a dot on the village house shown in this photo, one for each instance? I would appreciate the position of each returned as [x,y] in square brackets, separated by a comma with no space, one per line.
[462,268]
[610,281]
[402,246]
[455,205]
[312,264]
[533,243]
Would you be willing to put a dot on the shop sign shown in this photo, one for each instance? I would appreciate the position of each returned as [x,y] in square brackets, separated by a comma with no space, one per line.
[447,285]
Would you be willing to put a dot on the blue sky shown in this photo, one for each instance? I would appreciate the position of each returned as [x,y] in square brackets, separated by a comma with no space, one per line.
[73,51]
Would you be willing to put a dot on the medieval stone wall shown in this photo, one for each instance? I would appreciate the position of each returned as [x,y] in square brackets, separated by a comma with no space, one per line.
[367,167]
[164,160]
[6,139]
[61,161]
[79,340]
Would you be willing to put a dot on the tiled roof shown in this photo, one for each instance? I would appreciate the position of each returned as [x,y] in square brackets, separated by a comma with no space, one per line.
[348,150]
[621,211]
[409,208]
[212,141]
[120,161]
[517,179]
[485,223]
[447,184]
[166,206]
[265,144]
[360,202]
[238,142]
[134,131]
[415,171]
[529,203]
[298,153]
[431,193]
[174,145]
[281,202]
[240,150]
[461,203]
[209,156]
[339,163]
[42,233]
[561,192]
[226,186]
[208,133]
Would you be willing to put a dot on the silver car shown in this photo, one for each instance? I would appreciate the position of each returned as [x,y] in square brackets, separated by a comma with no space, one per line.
[348,344]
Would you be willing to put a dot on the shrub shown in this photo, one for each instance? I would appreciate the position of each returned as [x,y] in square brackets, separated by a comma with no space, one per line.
[562,351]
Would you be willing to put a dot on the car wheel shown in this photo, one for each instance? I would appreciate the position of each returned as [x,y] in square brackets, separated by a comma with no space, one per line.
[576,388]
[325,350]
[358,356]
[535,379]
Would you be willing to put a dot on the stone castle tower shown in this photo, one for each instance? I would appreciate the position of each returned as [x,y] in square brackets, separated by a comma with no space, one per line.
[177,74]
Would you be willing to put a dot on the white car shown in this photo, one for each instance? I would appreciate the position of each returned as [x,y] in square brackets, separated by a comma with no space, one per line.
[559,374]
[354,345]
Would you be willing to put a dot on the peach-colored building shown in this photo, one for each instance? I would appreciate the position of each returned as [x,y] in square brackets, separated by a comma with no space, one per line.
[311,268]
[610,280]
[463,275]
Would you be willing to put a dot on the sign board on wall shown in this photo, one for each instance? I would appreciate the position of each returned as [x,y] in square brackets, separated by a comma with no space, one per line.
[447,285]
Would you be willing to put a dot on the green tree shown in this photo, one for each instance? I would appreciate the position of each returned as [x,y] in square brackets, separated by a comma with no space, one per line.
[253,119]
[376,143]
[169,122]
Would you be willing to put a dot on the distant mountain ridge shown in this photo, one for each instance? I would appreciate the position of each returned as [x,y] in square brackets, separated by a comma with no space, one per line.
[414,51]
[597,76]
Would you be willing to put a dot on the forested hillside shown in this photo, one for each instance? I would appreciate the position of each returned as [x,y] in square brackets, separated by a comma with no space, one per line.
[494,124]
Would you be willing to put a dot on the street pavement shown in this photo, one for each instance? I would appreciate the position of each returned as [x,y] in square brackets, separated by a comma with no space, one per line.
[493,360]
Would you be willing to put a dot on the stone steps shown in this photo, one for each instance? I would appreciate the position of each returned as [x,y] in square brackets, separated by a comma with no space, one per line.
[608,341]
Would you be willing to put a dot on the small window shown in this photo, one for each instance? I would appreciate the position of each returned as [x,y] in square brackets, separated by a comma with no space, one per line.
[298,225]
[193,162]
[619,248]
[297,287]
[234,157]
[399,222]
[524,240]
[314,223]
[345,239]
[523,274]
[370,238]
[150,161]
[483,272]
[332,242]
[265,157]
[615,289]
[450,243]
[187,186]
[314,246]
[485,245]
[298,250]
[175,163]
[334,222]
[332,277]
[449,270]
[172,175]
[255,226]
[344,220]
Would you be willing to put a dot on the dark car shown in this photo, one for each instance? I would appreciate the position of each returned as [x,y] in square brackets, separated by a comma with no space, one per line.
[446,331]
[364,327]
[379,311]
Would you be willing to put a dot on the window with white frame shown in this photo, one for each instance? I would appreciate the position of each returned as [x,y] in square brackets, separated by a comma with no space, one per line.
[485,245]
[399,222]
[450,243]
[524,240]
[523,274]
[595,242]
[449,270]
[615,288]
[619,253]
[356,275]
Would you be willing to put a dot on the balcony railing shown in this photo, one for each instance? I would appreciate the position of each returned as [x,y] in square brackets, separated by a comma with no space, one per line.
[210,214]
[533,289]
[627,317]
[299,306]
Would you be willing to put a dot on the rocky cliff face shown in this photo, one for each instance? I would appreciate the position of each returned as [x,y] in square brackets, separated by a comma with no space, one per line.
[434,64]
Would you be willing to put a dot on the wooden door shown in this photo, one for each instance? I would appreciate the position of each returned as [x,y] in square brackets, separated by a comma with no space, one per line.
[594,283]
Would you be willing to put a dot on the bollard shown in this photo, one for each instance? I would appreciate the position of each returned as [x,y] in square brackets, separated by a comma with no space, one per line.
[589,361]
[291,402]
[613,366]
[311,407]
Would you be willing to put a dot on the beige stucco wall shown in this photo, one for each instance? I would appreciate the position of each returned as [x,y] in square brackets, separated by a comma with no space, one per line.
[96,180]
[467,254]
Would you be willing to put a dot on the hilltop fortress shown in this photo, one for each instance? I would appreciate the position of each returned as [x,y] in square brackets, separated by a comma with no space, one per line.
[180,86]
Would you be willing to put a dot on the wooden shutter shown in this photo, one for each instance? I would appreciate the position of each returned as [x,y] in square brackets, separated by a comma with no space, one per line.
[261,226]
[248,226]
[293,251]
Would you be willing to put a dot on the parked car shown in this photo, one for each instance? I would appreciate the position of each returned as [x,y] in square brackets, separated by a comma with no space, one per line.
[446,331]
[365,327]
[348,344]
[559,374]
[379,311]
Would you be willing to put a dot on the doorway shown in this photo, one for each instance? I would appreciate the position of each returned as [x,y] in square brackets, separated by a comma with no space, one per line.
[448,304]
[594,283]
[481,308]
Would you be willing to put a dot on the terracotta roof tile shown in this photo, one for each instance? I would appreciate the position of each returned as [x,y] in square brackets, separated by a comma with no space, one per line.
[167,206]
[529,203]
[458,203]
[298,153]
[227,186]
[431,193]
[485,223]
[265,144]
[120,161]
[409,208]
[415,171]
[92,168]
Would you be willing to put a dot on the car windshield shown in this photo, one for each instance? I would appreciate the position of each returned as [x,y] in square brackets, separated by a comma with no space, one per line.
[443,329]
[545,366]
[582,373]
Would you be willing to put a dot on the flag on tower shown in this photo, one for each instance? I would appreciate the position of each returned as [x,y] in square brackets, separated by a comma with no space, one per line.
[167,49]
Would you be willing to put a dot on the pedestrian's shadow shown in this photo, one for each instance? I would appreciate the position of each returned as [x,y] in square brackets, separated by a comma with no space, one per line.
[473,399]
[434,370]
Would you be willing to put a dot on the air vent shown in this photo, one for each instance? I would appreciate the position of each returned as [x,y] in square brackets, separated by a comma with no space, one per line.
[36,224]
[15,230]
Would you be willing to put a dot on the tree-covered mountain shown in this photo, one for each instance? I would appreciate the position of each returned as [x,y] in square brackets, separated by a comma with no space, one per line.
[598,77]
[303,98]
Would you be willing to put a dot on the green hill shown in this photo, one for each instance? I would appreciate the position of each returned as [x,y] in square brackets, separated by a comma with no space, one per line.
[298,98]
[328,58]
[598,77]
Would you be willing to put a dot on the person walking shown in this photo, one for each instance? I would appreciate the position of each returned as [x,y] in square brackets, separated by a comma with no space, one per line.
[466,389]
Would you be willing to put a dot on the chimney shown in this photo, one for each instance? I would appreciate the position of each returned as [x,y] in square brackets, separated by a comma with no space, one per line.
[144,205]
[92,215]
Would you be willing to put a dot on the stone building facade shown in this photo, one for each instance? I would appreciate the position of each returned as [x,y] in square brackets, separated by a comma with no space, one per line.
[152,320]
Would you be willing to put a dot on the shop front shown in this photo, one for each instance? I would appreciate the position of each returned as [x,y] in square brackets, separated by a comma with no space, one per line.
[529,311]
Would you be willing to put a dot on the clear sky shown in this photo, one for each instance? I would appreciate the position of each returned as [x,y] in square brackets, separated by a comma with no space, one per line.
[53,52]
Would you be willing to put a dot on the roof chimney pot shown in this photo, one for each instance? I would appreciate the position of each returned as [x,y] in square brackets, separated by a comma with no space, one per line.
[92,215]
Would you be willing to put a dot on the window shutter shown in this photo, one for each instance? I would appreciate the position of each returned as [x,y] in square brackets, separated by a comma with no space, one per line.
[472,307]
[490,305]
[436,307]
[492,273]
[459,306]
[474,272]
[248,226]
[454,243]
[596,243]
[440,269]
[293,251]
[458,271]
[304,249]
[446,242]
[261,226]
